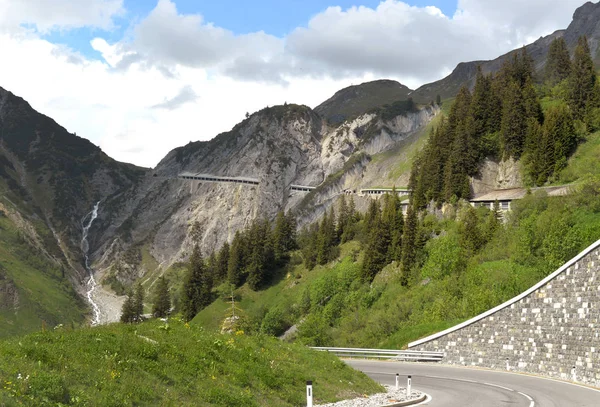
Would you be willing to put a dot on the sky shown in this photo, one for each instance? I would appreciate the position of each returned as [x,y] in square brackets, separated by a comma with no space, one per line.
[141,77]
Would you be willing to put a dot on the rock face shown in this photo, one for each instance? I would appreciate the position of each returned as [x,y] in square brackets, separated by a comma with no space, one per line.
[586,21]
[497,175]
[548,330]
[280,146]
[54,177]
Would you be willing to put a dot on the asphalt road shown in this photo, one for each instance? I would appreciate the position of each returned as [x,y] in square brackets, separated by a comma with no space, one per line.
[462,387]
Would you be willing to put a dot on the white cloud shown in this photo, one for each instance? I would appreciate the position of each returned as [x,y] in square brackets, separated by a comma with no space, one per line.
[177,78]
[116,109]
[393,39]
[47,15]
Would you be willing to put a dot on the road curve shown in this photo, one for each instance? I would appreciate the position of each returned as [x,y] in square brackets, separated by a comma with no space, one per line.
[462,387]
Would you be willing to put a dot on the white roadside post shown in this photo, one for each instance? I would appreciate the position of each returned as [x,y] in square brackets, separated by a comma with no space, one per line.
[507,365]
[408,385]
[573,374]
[309,394]
[397,381]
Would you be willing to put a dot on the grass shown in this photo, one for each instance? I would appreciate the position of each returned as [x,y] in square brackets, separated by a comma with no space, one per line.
[585,162]
[451,282]
[168,364]
[35,291]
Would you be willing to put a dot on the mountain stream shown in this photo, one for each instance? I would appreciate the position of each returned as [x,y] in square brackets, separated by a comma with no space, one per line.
[91,285]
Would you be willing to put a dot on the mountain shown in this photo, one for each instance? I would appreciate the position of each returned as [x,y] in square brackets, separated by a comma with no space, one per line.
[586,21]
[355,100]
[147,228]
[49,180]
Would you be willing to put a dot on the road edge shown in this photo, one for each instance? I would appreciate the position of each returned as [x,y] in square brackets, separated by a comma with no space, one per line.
[408,402]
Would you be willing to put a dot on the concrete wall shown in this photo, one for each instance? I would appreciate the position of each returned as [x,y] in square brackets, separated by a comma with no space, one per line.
[547,330]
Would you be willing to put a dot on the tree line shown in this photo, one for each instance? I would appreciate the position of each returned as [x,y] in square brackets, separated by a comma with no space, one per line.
[503,117]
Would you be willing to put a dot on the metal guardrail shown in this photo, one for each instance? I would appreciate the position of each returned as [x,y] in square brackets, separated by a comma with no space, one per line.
[406,355]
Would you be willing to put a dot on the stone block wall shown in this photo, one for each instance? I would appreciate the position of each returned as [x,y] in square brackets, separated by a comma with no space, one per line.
[548,330]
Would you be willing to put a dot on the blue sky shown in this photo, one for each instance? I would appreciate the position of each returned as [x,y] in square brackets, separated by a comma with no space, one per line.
[156,77]
[275,17]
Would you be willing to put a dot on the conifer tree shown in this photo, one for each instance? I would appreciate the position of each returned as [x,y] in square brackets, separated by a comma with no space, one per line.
[326,239]
[261,261]
[514,121]
[280,237]
[582,82]
[236,263]
[557,144]
[308,242]
[493,221]
[481,110]
[222,261]
[392,223]
[162,299]
[471,237]
[197,287]
[292,227]
[409,242]
[373,213]
[558,64]
[343,218]
[128,309]
[138,303]
[377,245]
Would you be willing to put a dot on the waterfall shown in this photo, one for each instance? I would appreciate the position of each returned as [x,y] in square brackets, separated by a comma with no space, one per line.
[85,247]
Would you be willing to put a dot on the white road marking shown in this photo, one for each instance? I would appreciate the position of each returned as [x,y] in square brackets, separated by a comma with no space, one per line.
[497,385]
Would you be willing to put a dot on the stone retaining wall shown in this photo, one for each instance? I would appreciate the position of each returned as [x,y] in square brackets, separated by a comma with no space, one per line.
[548,330]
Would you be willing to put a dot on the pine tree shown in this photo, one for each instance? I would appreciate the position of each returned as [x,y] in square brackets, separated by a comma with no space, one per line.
[392,223]
[162,299]
[514,122]
[326,239]
[292,227]
[471,237]
[582,82]
[480,107]
[373,213]
[280,238]
[375,254]
[343,217]
[493,222]
[138,303]
[128,309]
[558,142]
[261,262]
[197,287]
[222,261]
[409,243]
[308,243]
[236,262]
[558,64]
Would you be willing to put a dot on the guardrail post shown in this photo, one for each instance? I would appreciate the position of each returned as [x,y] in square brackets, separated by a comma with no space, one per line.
[573,374]
[397,381]
[408,386]
[309,394]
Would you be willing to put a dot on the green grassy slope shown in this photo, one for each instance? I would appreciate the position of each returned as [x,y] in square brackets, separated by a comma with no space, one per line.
[33,290]
[174,364]
[453,280]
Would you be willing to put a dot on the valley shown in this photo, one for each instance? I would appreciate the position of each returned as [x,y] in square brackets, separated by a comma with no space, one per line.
[381,216]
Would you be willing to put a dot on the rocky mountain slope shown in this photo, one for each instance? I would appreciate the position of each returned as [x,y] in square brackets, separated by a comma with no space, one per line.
[280,146]
[49,180]
[586,21]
